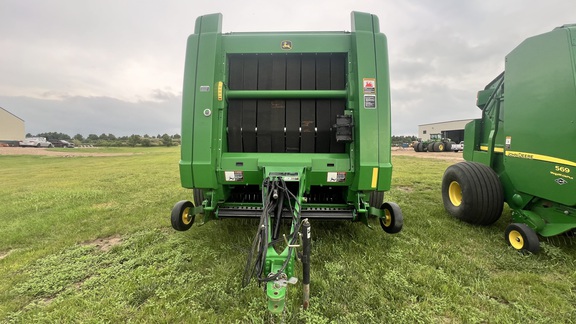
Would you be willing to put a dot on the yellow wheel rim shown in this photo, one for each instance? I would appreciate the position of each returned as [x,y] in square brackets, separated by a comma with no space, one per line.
[441,147]
[516,239]
[455,193]
[186,219]
[387,218]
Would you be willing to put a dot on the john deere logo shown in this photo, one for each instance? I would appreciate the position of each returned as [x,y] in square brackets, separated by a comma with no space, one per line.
[286,45]
[561,181]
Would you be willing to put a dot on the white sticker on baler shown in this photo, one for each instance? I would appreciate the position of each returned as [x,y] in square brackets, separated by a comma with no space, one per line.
[234,175]
[369,101]
[336,177]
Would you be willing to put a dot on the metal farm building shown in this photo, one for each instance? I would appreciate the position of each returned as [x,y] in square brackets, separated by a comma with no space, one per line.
[11,128]
[453,130]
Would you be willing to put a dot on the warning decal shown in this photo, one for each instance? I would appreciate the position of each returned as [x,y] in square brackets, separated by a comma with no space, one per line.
[234,175]
[336,177]
[370,101]
[369,86]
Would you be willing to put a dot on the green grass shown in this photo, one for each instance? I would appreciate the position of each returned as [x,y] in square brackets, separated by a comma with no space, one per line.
[436,270]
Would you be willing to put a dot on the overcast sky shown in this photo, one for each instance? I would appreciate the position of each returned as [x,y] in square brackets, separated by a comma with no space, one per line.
[116,66]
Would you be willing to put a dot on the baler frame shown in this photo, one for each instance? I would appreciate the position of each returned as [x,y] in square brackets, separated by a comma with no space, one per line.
[286,126]
[506,162]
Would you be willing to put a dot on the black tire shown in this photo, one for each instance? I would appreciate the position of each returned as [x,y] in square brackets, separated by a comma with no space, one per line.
[439,147]
[38,145]
[180,218]
[521,237]
[415,147]
[376,198]
[430,147]
[448,146]
[420,147]
[472,192]
[198,196]
[393,220]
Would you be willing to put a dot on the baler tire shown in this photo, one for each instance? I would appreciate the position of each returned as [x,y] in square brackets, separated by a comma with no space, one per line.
[180,219]
[521,237]
[415,147]
[198,196]
[376,198]
[472,192]
[431,147]
[393,220]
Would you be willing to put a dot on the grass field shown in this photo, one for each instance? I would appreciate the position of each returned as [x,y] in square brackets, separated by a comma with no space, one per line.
[88,239]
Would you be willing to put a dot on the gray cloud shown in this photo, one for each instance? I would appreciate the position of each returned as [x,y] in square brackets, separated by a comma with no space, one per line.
[97,115]
[116,66]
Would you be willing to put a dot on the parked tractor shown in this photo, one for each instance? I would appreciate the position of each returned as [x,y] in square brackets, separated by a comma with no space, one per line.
[286,128]
[521,150]
[435,144]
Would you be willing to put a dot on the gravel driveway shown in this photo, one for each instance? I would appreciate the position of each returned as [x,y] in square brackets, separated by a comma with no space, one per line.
[43,151]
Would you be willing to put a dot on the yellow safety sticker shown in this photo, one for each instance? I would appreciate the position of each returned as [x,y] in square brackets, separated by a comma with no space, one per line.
[374,177]
[220,90]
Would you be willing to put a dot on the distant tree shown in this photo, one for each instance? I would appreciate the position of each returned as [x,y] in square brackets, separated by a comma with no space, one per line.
[29,135]
[166,140]
[54,135]
[158,136]
[399,140]
[146,142]
[103,137]
[92,137]
[134,140]
[111,137]
[79,137]
[146,136]
[176,136]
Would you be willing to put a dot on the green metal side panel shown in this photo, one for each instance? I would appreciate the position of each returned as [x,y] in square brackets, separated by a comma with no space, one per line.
[188,99]
[206,123]
[365,105]
[472,139]
[305,42]
[540,117]
[384,117]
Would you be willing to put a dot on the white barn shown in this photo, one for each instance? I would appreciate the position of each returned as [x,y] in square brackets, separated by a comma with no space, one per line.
[453,130]
[11,127]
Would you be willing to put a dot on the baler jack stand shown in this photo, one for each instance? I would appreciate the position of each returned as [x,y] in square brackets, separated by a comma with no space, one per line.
[306,245]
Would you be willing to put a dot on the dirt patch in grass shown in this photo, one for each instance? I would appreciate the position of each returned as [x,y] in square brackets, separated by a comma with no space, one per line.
[405,189]
[73,152]
[4,254]
[105,244]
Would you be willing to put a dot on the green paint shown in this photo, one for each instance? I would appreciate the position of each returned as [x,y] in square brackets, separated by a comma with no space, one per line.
[207,163]
[526,131]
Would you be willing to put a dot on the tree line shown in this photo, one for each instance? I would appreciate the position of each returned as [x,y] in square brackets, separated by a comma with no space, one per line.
[112,140]
[399,140]
[147,140]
